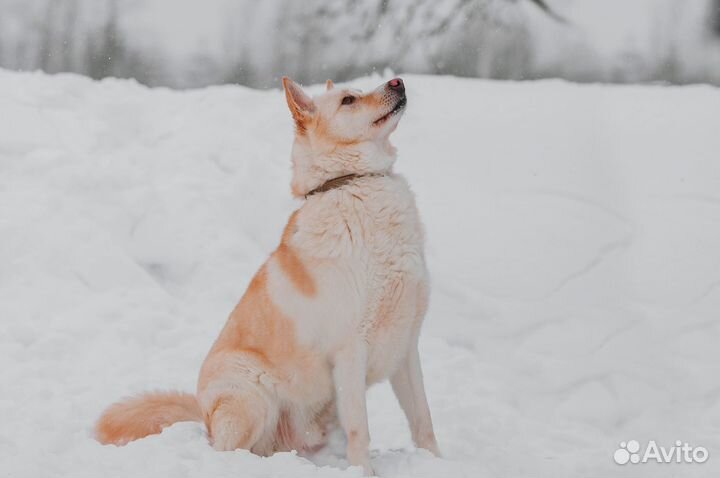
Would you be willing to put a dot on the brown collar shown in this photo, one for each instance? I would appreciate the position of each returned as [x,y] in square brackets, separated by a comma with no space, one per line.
[335,183]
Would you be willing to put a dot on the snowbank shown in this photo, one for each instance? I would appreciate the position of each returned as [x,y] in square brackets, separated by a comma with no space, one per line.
[573,237]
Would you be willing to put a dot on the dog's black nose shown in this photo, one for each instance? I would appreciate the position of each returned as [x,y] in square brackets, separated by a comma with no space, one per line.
[397,85]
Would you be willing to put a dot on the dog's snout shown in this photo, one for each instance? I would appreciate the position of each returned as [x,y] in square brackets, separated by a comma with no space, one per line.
[396,84]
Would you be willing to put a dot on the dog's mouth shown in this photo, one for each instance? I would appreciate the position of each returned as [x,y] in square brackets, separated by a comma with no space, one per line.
[399,106]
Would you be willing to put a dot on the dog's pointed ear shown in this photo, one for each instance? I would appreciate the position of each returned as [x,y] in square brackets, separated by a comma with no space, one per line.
[329,85]
[301,105]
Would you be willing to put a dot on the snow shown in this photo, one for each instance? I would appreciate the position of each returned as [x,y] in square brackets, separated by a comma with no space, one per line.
[573,239]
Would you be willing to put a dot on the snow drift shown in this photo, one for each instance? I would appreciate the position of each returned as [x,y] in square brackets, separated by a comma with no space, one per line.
[573,237]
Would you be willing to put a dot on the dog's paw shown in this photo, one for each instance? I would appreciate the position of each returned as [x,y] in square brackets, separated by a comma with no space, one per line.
[368,469]
[431,446]
[434,450]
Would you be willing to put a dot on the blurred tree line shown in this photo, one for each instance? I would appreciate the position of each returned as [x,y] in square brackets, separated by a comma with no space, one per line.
[185,43]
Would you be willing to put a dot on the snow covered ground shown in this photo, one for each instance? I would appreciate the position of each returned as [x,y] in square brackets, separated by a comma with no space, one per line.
[576,303]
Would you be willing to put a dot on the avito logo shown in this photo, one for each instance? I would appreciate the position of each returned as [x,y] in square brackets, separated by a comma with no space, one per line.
[629,452]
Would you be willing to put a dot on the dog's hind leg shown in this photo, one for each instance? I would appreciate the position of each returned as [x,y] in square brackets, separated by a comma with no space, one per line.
[241,420]
[238,402]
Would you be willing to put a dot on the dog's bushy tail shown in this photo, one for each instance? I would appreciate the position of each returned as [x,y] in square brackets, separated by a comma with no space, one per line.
[144,415]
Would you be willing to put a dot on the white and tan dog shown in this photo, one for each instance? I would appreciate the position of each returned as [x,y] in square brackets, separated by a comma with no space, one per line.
[337,307]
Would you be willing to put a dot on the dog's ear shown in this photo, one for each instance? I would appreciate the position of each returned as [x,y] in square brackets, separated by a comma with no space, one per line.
[301,105]
[329,85]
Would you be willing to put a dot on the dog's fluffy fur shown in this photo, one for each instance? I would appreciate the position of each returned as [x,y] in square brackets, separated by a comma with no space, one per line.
[338,305]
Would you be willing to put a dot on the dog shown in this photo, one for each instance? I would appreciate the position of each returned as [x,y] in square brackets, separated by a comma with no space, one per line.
[337,307]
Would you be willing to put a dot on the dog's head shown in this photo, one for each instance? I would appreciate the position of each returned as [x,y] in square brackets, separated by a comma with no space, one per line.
[342,131]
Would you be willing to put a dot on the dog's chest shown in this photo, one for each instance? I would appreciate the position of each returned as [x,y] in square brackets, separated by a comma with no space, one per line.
[371,241]
[396,284]
[372,226]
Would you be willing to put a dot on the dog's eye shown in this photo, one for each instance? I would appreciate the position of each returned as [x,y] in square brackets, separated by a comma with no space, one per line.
[348,100]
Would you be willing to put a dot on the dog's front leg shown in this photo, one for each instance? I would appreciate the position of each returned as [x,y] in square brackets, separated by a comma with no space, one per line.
[349,374]
[407,382]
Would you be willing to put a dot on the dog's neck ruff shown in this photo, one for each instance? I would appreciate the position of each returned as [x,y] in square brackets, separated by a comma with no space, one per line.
[340,181]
